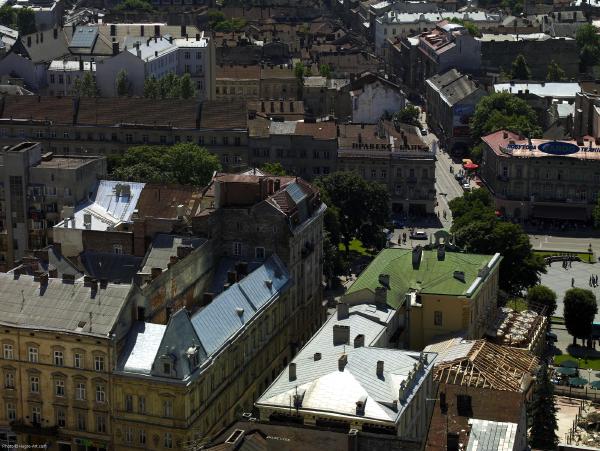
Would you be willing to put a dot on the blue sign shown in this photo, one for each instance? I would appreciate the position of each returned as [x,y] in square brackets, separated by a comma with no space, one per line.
[558,148]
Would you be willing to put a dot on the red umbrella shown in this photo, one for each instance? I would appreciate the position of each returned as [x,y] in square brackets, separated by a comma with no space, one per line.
[470,166]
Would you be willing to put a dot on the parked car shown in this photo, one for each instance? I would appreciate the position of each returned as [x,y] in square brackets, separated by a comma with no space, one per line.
[423,132]
[466,186]
[419,235]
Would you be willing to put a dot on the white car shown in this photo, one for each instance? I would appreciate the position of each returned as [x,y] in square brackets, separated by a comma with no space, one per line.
[466,186]
[419,235]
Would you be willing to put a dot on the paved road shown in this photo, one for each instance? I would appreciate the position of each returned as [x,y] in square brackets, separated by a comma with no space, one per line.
[579,243]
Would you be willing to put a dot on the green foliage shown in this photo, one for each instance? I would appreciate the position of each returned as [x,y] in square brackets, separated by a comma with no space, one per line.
[218,22]
[85,86]
[515,6]
[25,21]
[543,413]
[274,168]
[503,110]
[588,42]
[184,163]
[477,230]
[122,82]
[544,296]
[520,69]
[579,311]
[469,26]
[169,87]
[7,16]
[135,5]
[299,70]
[362,207]
[186,87]
[308,71]
[325,70]
[555,72]
[407,115]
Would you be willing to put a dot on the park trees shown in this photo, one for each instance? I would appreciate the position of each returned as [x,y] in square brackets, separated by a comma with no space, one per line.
[477,229]
[541,295]
[555,72]
[588,43]
[503,110]
[407,115]
[579,311]
[543,413]
[169,87]
[184,163]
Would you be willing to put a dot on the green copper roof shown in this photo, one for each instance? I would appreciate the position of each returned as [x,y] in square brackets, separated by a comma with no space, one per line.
[432,277]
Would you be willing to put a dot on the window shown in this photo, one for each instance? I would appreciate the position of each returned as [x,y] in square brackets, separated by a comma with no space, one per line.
[51,78]
[117,249]
[463,405]
[373,173]
[198,55]
[259,252]
[141,404]
[8,351]
[316,170]
[237,248]
[101,424]
[129,403]
[167,368]
[36,414]
[168,408]
[168,440]
[383,174]
[145,139]
[163,139]
[59,358]
[100,393]
[186,55]
[11,411]
[59,387]
[128,435]
[33,354]
[142,437]
[61,418]
[34,384]
[99,360]
[81,421]
[61,79]
[77,360]
[9,380]
[80,391]
[66,135]
[128,138]
[437,318]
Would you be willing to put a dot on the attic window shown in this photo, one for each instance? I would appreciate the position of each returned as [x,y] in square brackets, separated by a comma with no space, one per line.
[81,324]
[167,368]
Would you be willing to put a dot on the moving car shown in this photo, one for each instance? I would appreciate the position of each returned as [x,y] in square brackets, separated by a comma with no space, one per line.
[419,235]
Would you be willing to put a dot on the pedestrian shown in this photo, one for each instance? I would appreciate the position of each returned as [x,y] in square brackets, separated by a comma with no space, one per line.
[590,281]
[572,281]
[570,263]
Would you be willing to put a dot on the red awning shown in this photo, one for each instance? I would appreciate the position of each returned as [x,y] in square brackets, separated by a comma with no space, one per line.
[470,166]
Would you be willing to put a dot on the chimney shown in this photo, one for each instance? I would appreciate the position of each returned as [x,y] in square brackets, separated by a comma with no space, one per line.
[73,27]
[380,369]
[317,356]
[52,272]
[197,36]
[81,65]
[207,298]
[441,253]
[183,251]
[28,41]
[55,33]
[231,277]
[156,53]
[43,280]
[381,297]
[142,30]
[417,253]
[68,278]
[402,391]
[115,48]
[341,335]
[359,341]
[183,31]
[342,362]
[173,259]
[277,186]
[155,272]
[156,30]
[113,30]
[343,311]
[292,371]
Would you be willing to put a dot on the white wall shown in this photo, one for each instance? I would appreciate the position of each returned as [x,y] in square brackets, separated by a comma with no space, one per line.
[370,104]
[107,70]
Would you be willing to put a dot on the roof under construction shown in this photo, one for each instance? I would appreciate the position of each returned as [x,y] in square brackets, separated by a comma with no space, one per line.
[481,364]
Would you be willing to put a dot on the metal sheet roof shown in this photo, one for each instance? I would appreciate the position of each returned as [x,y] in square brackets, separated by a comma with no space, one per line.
[143,343]
[70,307]
[492,436]
[165,245]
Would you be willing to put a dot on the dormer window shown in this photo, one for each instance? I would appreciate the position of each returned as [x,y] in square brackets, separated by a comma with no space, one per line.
[167,368]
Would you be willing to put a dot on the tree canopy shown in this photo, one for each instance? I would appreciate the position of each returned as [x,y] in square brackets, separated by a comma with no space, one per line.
[21,19]
[520,69]
[555,72]
[502,110]
[325,70]
[273,168]
[478,230]
[588,43]
[85,86]
[407,115]
[471,28]
[169,87]
[579,311]
[362,206]
[541,295]
[219,22]
[183,163]
[135,5]
[543,413]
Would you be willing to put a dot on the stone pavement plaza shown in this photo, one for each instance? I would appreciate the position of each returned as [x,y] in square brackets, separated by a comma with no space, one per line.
[559,279]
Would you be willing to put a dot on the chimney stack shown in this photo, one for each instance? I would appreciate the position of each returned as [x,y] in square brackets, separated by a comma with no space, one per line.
[342,362]
[292,371]
[155,272]
[317,356]
[359,341]
[341,335]
[381,297]
[380,368]
[343,311]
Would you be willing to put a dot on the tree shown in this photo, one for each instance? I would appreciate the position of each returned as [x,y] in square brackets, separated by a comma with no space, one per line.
[555,72]
[151,88]
[325,70]
[299,70]
[407,115]
[478,230]
[186,87]
[122,83]
[520,69]
[169,87]
[7,16]
[579,311]
[541,295]
[363,207]
[135,5]
[85,86]
[543,413]
[503,110]
[25,20]
[184,163]
[588,43]
[471,28]
[274,168]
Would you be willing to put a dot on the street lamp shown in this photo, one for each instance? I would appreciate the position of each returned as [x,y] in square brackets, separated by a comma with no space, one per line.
[590,253]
